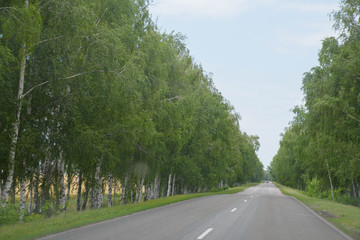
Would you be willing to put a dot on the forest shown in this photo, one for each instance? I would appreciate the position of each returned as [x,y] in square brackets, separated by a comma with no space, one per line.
[94,95]
[319,151]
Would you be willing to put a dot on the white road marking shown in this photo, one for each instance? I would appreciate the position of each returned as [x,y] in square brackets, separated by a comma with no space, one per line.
[205,233]
[245,200]
[252,196]
[233,210]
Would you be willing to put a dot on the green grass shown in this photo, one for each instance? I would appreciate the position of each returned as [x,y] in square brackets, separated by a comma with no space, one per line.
[345,217]
[73,219]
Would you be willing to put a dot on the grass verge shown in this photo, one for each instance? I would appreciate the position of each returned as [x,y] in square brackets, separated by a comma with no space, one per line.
[69,220]
[344,217]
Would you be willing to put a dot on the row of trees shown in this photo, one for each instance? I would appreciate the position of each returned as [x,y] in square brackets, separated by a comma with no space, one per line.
[319,151]
[92,90]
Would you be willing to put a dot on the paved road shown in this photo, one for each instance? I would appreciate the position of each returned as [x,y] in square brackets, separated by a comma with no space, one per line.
[260,212]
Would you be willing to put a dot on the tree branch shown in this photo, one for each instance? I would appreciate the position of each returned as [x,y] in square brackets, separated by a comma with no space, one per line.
[6,8]
[31,89]
[82,73]
[173,98]
[351,116]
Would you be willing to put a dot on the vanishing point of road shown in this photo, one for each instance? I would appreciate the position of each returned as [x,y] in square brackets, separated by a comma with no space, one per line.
[260,212]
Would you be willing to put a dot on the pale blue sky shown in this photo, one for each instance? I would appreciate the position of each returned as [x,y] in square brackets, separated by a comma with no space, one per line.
[257,51]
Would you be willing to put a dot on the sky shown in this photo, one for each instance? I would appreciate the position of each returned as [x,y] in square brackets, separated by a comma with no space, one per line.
[257,52]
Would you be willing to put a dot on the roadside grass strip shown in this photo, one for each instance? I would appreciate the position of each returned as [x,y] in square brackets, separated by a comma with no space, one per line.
[72,219]
[344,217]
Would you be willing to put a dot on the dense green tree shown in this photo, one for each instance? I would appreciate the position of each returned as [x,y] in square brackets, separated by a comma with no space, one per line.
[106,99]
[323,139]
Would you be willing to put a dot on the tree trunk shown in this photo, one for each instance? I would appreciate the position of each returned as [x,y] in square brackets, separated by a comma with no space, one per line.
[148,192]
[331,185]
[13,191]
[163,190]
[22,197]
[31,196]
[110,190]
[124,190]
[173,192]
[86,196]
[36,207]
[69,180]
[169,186]
[353,187]
[140,190]
[16,124]
[47,170]
[157,187]
[221,184]
[62,200]
[113,203]
[78,202]
[96,200]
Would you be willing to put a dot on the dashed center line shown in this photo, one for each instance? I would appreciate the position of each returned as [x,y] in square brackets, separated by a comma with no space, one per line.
[233,210]
[245,200]
[205,233]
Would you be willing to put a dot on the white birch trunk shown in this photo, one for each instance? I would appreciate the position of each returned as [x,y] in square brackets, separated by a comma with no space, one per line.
[62,182]
[31,196]
[113,203]
[221,184]
[16,124]
[97,197]
[331,185]
[47,172]
[69,180]
[137,194]
[157,187]
[169,186]
[148,192]
[141,190]
[22,198]
[173,186]
[110,190]
[124,190]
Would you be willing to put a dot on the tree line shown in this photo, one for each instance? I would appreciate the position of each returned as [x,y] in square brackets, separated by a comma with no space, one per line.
[319,151]
[94,91]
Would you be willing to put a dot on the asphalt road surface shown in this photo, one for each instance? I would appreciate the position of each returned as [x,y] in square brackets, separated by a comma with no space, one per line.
[260,212]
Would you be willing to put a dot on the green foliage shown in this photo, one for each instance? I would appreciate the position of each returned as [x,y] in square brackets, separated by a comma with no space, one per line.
[49,209]
[9,213]
[319,149]
[313,188]
[33,217]
[104,85]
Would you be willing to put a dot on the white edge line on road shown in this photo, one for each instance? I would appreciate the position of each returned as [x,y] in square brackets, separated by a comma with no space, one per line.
[233,210]
[245,200]
[205,233]
[324,220]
